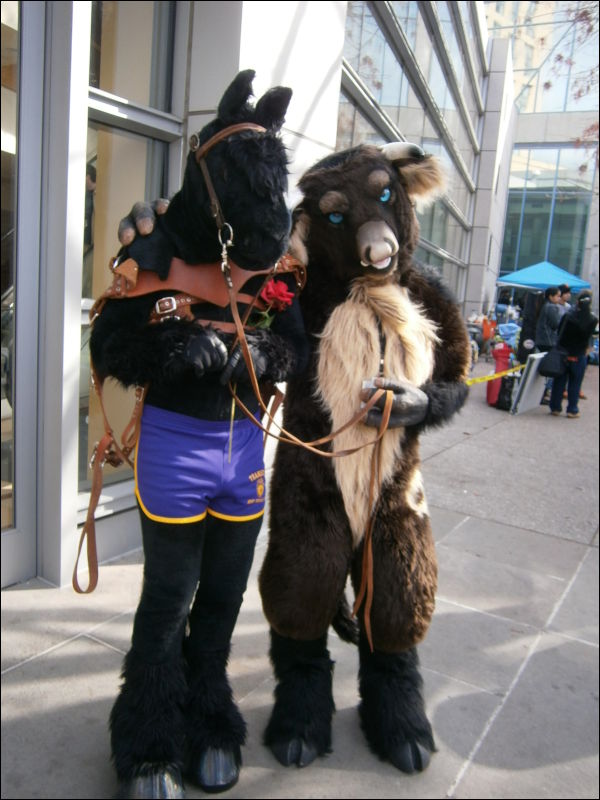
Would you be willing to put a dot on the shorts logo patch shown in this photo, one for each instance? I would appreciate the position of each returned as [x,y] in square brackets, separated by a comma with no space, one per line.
[258,477]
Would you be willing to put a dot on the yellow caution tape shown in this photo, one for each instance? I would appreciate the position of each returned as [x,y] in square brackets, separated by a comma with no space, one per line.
[485,378]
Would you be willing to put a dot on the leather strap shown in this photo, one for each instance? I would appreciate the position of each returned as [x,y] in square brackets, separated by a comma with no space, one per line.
[105,450]
[285,435]
[202,152]
[366,583]
[231,130]
[203,282]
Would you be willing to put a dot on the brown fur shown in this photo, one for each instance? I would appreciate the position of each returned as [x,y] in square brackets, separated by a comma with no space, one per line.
[319,509]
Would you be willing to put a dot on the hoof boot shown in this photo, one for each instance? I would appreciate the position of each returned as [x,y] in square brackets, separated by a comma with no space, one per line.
[411,757]
[296,751]
[216,770]
[153,784]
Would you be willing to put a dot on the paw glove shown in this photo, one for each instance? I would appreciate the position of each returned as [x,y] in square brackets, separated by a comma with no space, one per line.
[409,406]
[205,352]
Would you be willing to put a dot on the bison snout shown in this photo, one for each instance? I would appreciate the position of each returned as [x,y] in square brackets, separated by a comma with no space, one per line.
[377,244]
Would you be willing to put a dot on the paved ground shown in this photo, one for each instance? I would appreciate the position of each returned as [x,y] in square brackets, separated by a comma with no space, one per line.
[510,663]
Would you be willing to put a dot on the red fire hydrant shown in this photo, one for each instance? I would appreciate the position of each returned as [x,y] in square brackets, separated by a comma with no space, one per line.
[501,353]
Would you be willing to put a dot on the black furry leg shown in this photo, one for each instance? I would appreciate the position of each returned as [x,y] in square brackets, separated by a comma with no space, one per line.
[215,729]
[392,710]
[147,729]
[300,726]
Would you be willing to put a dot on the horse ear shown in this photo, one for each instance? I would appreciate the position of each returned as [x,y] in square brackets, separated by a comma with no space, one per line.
[236,96]
[422,174]
[272,106]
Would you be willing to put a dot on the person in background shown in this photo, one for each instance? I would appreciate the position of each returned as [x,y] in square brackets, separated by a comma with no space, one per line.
[564,301]
[575,336]
[546,330]
[90,188]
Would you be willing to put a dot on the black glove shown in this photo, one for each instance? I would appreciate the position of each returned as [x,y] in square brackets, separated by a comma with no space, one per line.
[205,352]
[409,406]
[236,369]
[141,219]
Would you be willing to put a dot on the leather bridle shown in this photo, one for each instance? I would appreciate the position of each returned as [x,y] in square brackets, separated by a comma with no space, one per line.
[201,151]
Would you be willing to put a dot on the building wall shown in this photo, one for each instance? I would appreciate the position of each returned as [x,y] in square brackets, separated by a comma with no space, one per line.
[492,183]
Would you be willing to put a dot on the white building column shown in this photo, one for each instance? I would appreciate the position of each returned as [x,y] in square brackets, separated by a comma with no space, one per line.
[492,183]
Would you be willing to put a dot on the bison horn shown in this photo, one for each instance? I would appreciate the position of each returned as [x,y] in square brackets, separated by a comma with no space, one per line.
[396,151]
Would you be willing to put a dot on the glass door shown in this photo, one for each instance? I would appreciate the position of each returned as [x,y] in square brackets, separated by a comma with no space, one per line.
[22,82]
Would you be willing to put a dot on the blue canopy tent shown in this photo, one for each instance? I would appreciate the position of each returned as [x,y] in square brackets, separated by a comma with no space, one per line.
[541,276]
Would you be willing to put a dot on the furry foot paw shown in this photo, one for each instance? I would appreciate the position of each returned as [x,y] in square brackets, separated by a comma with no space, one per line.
[410,757]
[216,770]
[295,751]
[156,783]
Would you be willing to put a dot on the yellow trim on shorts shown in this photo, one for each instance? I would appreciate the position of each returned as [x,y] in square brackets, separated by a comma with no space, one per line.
[171,520]
[156,517]
[230,518]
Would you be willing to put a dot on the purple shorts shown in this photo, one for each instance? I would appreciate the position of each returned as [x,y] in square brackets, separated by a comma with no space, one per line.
[186,468]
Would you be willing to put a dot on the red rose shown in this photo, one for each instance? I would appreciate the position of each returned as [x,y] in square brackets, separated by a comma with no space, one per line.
[277,295]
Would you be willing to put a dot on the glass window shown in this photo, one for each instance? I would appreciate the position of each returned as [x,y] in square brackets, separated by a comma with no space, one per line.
[465,14]
[131,48]
[131,52]
[572,169]
[406,13]
[511,231]
[367,50]
[554,56]
[458,60]
[548,208]
[541,170]
[569,224]
[122,168]
[354,128]
[537,209]
[10,91]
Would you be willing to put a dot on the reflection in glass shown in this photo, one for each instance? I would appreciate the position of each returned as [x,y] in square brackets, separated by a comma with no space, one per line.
[353,128]
[10,89]
[548,208]
[131,49]
[126,168]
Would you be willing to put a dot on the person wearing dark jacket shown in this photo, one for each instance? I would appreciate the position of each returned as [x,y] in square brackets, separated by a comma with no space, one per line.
[546,330]
[574,335]
[548,321]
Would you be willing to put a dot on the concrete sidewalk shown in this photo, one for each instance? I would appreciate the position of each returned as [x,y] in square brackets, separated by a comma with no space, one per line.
[510,663]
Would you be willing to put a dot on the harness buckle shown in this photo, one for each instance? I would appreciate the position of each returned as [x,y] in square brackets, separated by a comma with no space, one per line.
[94,456]
[166,305]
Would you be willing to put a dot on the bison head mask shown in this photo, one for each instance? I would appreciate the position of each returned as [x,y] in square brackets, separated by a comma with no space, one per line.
[357,215]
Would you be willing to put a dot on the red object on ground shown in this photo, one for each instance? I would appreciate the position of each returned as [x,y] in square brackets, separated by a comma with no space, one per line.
[501,354]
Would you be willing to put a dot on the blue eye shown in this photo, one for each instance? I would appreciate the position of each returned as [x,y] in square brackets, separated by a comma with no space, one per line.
[385,195]
[336,218]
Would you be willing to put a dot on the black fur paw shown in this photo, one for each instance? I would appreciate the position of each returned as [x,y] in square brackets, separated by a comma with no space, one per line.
[392,710]
[295,751]
[154,782]
[216,770]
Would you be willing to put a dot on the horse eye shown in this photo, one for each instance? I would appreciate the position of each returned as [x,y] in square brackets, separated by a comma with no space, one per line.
[384,197]
[336,217]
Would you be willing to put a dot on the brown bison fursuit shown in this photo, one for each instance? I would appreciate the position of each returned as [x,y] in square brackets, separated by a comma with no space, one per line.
[375,320]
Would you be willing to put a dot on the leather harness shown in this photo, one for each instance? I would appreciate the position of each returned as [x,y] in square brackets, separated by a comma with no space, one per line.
[220,284]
